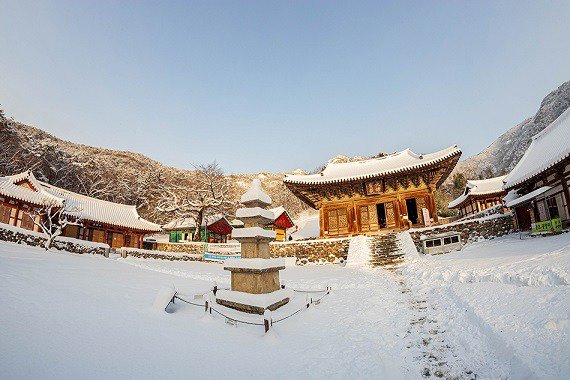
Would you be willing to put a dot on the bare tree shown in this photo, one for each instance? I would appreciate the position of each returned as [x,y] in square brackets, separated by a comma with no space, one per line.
[53,219]
[206,195]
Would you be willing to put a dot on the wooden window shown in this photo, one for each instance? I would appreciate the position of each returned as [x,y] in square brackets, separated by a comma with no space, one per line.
[5,213]
[27,222]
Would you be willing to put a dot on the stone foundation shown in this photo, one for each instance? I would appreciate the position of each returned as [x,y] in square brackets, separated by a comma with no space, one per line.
[471,230]
[35,239]
[312,251]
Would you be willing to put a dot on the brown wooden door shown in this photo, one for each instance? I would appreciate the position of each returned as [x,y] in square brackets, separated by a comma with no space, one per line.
[420,204]
[390,215]
[117,241]
[368,218]
[337,221]
[98,236]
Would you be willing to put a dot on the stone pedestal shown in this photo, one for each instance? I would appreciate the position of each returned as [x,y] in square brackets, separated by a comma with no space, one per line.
[255,277]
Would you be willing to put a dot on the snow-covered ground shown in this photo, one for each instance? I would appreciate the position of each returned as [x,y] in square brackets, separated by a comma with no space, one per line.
[498,309]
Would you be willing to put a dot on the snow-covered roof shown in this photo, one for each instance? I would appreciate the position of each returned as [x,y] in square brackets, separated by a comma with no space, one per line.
[100,211]
[87,208]
[11,186]
[188,223]
[547,148]
[255,194]
[479,187]
[394,163]
[513,199]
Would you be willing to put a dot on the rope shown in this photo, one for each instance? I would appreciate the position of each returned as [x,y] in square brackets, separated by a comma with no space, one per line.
[188,302]
[256,323]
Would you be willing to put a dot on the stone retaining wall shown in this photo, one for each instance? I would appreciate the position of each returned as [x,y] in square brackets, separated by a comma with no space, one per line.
[162,255]
[192,248]
[471,230]
[35,239]
[312,251]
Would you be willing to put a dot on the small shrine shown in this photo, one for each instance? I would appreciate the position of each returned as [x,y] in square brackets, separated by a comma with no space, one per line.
[255,285]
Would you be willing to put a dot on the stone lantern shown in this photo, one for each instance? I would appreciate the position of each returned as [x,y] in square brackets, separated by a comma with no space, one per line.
[255,277]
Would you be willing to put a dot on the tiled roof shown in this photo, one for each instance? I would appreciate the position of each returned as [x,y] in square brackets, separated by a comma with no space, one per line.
[87,208]
[40,197]
[548,148]
[375,167]
[479,187]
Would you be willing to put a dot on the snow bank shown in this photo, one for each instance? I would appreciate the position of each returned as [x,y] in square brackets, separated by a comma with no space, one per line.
[163,298]
[358,251]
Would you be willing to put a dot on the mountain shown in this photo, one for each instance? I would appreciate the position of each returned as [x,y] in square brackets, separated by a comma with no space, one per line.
[503,154]
[133,178]
[118,176]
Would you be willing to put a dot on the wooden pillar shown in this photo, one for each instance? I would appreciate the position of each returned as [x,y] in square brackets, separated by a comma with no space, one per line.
[17,214]
[565,189]
[322,221]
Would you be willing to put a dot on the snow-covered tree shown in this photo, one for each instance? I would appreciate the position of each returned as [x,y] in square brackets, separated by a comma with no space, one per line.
[206,195]
[53,219]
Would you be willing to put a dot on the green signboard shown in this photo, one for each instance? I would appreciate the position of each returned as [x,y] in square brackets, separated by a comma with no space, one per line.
[553,225]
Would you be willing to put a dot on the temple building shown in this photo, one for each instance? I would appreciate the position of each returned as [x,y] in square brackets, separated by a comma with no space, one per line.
[479,195]
[282,221]
[538,185]
[391,192]
[215,229]
[118,225]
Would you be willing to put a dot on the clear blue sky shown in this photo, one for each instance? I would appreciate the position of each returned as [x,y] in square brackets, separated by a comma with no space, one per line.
[271,86]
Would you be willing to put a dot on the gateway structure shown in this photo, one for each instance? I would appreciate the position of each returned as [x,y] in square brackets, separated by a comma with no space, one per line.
[391,192]
[255,277]
[22,197]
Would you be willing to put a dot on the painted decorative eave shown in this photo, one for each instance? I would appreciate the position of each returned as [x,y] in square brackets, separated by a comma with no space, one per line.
[547,149]
[401,162]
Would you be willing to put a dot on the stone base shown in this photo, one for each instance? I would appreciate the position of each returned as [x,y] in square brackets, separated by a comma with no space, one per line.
[253,303]
[252,309]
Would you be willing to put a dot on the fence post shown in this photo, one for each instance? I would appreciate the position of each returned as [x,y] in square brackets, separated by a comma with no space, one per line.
[267,320]
[282,284]
[307,300]
[215,290]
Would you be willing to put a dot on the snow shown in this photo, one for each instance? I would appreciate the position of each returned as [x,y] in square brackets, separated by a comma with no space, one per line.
[257,263]
[309,228]
[386,165]
[358,251]
[497,309]
[515,200]
[253,232]
[547,148]
[163,298]
[255,194]
[252,212]
[258,300]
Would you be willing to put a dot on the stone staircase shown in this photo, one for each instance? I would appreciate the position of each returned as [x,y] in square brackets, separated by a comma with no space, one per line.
[385,251]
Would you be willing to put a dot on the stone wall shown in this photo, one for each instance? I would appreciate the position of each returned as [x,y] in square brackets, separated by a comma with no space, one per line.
[189,247]
[162,255]
[471,230]
[21,236]
[312,251]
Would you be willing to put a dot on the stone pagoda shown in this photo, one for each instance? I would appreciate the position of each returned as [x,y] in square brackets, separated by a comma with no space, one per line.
[255,277]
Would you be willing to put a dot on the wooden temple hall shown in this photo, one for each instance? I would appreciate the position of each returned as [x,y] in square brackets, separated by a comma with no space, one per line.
[23,197]
[391,192]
